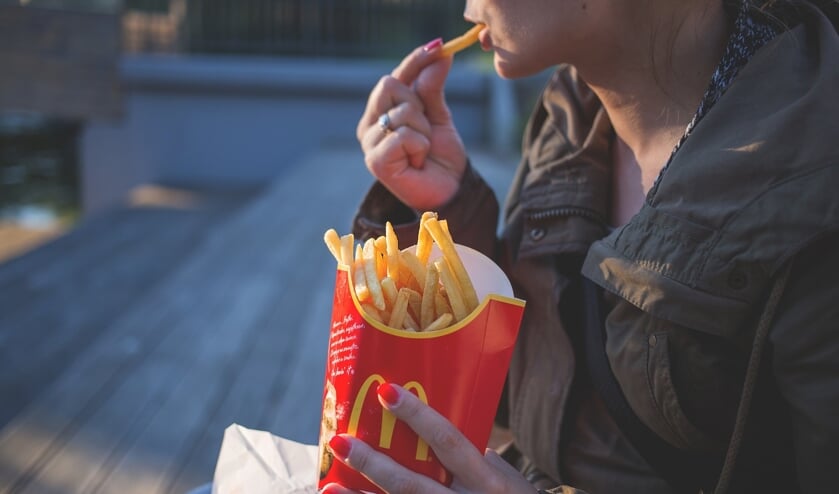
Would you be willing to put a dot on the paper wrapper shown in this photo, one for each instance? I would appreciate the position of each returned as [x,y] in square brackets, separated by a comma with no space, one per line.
[458,371]
[257,462]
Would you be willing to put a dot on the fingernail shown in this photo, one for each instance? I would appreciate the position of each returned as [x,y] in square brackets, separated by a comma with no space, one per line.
[433,44]
[340,447]
[388,393]
[329,489]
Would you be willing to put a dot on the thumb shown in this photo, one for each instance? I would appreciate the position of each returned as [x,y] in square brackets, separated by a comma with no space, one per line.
[430,87]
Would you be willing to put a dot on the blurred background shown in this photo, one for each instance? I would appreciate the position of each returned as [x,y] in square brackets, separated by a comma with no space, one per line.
[167,171]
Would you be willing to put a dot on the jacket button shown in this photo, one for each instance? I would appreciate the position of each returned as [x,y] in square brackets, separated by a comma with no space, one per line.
[737,279]
[652,340]
[537,234]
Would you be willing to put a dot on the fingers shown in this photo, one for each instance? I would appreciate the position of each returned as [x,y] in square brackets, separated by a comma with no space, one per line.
[385,158]
[418,80]
[404,115]
[452,448]
[412,65]
[333,488]
[387,94]
[426,71]
[500,464]
[381,469]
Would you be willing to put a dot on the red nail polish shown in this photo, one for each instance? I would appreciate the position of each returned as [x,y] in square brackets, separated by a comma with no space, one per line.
[388,393]
[329,489]
[433,44]
[340,447]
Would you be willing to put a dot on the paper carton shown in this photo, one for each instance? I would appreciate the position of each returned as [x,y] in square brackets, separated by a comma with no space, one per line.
[458,371]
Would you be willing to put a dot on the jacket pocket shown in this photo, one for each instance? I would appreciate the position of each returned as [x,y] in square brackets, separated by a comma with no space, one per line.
[680,431]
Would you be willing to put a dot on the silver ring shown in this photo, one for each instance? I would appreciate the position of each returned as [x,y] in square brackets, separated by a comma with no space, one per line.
[384,123]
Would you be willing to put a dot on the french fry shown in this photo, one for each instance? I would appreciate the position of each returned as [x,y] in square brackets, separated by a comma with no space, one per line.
[410,324]
[424,239]
[441,305]
[414,301]
[347,249]
[392,252]
[440,323]
[381,257]
[391,297]
[389,289]
[333,243]
[459,309]
[406,277]
[444,241]
[373,312]
[463,41]
[428,293]
[369,253]
[362,292]
[416,267]
[400,310]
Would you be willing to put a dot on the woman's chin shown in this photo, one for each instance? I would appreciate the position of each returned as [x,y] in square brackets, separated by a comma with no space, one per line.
[503,68]
[510,70]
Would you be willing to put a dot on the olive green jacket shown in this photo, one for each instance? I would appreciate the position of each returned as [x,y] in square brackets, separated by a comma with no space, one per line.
[755,185]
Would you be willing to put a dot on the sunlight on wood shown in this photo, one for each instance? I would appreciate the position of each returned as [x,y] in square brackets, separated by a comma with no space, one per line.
[17,240]
[166,197]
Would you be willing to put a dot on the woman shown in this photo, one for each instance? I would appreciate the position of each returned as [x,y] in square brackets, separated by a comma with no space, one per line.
[674,228]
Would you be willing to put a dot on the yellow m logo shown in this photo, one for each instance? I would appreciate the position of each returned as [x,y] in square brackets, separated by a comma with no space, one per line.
[388,419]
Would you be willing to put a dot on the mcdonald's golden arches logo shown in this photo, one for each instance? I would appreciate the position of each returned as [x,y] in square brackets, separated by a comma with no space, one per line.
[388,419]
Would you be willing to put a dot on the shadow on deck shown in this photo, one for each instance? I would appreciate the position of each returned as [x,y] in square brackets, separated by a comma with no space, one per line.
[129,344]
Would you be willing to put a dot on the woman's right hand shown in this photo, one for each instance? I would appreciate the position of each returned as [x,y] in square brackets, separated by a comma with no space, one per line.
[420,158]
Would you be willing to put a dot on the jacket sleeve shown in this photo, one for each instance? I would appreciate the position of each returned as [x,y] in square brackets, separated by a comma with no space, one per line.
[805,346]
[472,215]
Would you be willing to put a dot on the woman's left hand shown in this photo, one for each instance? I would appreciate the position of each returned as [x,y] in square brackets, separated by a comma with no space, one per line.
[472,471]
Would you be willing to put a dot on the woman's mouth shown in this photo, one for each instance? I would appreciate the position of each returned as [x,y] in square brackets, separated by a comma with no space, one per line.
[485,40]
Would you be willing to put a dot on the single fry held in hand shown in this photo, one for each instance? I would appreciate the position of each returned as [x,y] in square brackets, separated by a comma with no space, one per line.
[463,41]
[405,289]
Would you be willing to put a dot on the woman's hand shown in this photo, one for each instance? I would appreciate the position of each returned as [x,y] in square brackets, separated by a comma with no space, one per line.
[472,471]
[419,156]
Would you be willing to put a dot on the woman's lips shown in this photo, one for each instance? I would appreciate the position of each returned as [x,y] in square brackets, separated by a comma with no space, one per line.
[485,40]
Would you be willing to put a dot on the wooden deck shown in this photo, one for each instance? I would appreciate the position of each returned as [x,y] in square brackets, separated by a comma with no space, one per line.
[129,344]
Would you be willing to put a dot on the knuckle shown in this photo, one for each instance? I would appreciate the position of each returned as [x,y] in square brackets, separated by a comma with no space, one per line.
[388,83]
[360,131]
[409,409]
[361,460]
[404,485]
[398,112]
[372,163]
[447,438]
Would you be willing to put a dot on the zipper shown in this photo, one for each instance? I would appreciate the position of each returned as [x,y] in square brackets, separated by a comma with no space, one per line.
[557,212]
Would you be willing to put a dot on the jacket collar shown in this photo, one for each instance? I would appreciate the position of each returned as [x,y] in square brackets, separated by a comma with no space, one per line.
[738,198]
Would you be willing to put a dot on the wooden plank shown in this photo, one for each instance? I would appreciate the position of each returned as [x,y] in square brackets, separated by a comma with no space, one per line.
[59,312]
[33,438]
[61,322]
[60,63]
[78,464]
[85,244]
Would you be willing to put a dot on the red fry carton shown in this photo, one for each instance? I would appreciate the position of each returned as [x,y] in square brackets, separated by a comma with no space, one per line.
[458,371]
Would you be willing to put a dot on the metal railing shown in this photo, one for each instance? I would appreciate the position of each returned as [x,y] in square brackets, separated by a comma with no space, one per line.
[322,28]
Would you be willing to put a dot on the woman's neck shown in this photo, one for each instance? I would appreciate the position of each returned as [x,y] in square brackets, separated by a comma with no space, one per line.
[660,79]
